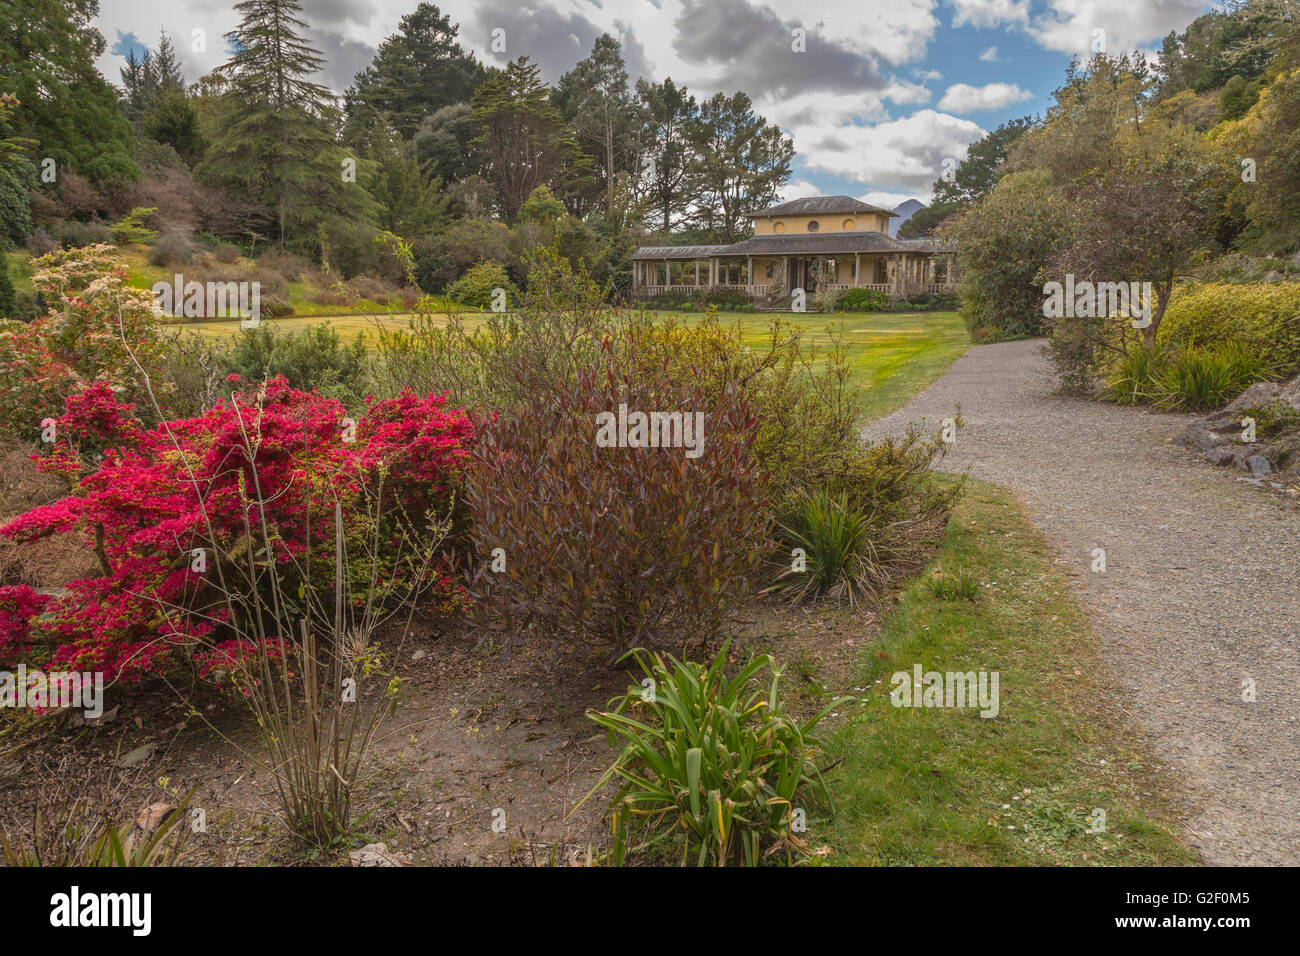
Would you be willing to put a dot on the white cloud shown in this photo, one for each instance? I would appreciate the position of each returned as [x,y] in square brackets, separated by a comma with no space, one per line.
[964,98]
[798,189]
[900,155]
[886,200]
[1072,25]
[902,92]
[989,13]
[990,55]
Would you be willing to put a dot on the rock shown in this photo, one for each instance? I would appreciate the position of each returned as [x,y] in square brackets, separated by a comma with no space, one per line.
[81,720]
[1196,435]
[1257,394]
[152,816]
[418,655]
[1221,455]
[377,854]
[1258,465]
[137,756]
[1273,276]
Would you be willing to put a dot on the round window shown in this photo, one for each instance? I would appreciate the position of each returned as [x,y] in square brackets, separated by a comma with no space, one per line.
[778,226]
[814,225]
[848,225]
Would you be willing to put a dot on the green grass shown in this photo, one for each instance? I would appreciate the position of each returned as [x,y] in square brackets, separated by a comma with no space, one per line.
[894,355]
[934,786]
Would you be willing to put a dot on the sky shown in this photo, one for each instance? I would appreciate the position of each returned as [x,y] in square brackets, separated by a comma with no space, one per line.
[876,94]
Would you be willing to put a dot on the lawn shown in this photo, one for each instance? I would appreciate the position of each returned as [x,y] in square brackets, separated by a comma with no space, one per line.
[935,786]
[894,355]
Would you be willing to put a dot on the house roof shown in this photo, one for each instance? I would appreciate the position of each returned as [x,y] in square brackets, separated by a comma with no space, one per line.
[678,252]
[821,205]
[814,244]
[827,244]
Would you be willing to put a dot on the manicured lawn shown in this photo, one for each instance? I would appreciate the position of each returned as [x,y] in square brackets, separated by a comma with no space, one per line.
[895,355]
[946,786]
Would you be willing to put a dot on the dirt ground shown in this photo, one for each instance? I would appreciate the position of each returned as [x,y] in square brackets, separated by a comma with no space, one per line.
[476,734]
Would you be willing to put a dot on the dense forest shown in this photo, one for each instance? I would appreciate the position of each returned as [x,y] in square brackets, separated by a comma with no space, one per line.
[430,162]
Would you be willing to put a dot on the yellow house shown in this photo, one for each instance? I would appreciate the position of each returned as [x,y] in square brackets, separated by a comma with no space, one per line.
[815,244]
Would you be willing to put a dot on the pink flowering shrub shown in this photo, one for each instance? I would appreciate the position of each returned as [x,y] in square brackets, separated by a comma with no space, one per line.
[97,329]
[177,514]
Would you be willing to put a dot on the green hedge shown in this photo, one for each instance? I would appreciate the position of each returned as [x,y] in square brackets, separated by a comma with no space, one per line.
[1262,316]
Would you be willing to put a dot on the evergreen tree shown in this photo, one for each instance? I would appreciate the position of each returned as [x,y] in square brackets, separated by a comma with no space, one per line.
[47,59]
[416,72]
[521,140]
[271,137]
[8,297]
[741,163]
[670,114]
[594,100]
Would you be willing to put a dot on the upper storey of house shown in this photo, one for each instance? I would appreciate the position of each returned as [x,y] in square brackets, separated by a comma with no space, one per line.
[819,215]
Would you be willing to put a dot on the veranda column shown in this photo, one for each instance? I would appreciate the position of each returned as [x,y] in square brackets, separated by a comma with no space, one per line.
[749,273]
[857,269]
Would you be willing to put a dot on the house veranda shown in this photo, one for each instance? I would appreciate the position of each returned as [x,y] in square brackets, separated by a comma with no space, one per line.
[815,244]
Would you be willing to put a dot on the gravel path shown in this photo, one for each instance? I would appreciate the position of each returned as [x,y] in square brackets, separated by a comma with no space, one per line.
[1201,589]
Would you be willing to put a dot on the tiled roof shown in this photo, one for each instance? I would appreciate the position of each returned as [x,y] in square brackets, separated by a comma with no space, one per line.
[677,252]
[821,206]
[826,244]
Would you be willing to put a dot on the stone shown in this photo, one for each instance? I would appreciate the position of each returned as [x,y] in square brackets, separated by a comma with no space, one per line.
[152,816]
[1221,455]
[137,756]
[377,854]
[1258,465]
[1196,435]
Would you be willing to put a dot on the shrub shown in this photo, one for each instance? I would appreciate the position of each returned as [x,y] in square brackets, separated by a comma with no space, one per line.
[226,254]
[1199,380]
[710,762]
[1004,241]
[836,542]
[254,484]
[97,329]
[477,287]
[1262,317]
[313,358]
[1133,379]
[131,228]
[873,520]
[614,546]
[1273,418]
[172,247]
[863,300]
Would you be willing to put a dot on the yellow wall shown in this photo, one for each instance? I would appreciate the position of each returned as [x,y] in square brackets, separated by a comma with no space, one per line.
[798,225]
[843,269]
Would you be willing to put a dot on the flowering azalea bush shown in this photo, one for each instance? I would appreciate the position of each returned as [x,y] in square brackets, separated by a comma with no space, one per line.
[274,480]
[98,329]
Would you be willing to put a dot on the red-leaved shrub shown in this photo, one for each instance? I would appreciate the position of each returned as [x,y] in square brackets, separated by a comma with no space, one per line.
[614,546]
[176,514]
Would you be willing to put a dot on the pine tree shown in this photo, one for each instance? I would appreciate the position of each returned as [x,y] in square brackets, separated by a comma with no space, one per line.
[271,138]
[594,100]
[521,140]
[7,295]
[47,59]
[416,72]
